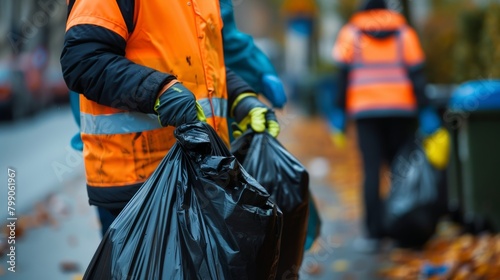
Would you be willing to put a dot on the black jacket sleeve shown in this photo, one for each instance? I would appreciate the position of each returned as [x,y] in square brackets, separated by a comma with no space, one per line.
[94,64]
[235,86]
[419,82]
[339,100]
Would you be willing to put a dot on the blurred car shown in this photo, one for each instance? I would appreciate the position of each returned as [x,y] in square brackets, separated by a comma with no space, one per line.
[30,72]
[28,85]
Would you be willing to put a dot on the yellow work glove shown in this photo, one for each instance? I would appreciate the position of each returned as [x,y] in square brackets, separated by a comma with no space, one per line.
[339,139]
[337,119]
[250,112]
[437,148]
[199,113]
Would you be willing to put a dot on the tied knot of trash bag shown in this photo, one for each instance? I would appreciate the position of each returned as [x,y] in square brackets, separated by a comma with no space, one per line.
[220,169]
[194,138]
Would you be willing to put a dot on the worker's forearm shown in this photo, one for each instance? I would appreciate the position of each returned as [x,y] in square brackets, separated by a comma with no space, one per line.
[235,86]
[339,99]
[419,82]
[94,64]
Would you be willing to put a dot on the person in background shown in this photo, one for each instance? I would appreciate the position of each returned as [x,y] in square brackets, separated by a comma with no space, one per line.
[248,61]
[139,80]
[382,88]
[301,18]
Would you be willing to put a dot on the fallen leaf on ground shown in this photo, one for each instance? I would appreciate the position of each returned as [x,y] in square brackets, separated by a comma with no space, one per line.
[465,257]
[69,266]
[313,269]
[340,265]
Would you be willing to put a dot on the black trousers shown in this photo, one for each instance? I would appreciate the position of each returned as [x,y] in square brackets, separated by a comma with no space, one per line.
[379,140]
[106,217]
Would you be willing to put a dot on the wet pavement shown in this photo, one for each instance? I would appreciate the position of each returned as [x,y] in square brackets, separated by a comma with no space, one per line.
[56,230]
[335,185]
[58,234]
[57,238]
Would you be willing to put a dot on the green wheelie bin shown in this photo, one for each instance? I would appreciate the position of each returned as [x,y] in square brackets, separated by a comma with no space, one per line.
[474,170]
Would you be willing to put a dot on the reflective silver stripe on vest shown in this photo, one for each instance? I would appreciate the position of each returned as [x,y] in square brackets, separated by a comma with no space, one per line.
[130,122]
[375,75]
[119,123]
[219,105]
[370,73]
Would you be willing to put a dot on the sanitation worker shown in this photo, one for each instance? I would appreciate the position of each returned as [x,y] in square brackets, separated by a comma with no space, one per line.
[381,87]
[144,68]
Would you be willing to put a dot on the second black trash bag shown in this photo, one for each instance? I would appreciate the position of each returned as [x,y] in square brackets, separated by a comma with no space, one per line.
[413,205]
[199,216]
[287,180]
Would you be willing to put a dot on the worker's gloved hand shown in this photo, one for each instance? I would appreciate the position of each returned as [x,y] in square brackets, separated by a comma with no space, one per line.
[76,142]
[337,121]
[429,120]
[177,105]
[339,139]
[437,148]
[436,141]
[273,90]
[250,113]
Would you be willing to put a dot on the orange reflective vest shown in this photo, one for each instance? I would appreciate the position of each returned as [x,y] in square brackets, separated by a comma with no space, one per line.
[378,82]
[300,7]
[182,38]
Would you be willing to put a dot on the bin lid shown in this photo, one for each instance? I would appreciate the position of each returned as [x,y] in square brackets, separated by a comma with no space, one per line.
[478,95]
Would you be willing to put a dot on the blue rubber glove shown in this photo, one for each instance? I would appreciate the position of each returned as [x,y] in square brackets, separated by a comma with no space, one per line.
[74,100]
[273,90]
[429,120]
[76,142]
[337,121]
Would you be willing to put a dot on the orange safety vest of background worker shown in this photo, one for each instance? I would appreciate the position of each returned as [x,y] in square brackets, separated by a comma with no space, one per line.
[123,148]
[381,86]
[378,81]
[300,7]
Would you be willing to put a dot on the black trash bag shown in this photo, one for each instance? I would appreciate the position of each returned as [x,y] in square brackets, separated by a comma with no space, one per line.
[199,216]
[313,225]
[413,206]
[287,180]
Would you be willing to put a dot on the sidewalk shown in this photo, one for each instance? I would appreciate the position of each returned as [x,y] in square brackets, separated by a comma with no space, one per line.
[57,239]
[56,230]
[38,149]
